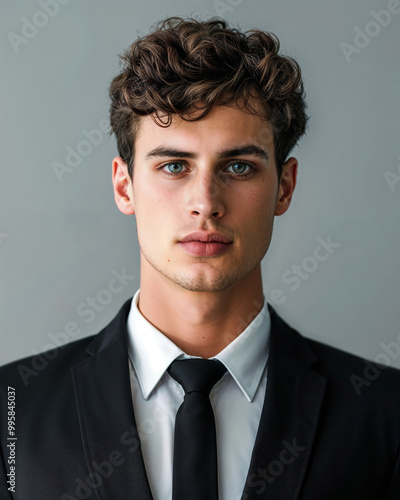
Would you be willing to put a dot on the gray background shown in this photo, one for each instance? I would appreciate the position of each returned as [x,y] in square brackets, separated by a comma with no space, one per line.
[61,242]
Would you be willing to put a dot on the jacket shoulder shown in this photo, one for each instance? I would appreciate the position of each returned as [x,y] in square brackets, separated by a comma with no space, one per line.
[51,366]
[344,359]
[45,365]
[356,375]
[346,372]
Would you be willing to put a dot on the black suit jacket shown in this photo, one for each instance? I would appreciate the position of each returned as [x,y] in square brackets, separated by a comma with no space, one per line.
[324,433]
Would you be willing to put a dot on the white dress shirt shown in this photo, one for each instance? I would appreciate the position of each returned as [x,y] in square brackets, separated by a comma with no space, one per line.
[237,400]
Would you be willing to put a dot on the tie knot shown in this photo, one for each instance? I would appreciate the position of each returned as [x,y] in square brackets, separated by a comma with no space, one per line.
[197,375]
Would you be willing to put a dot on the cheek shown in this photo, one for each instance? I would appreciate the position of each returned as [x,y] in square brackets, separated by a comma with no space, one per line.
[154,216]
[157,192]
[260,205]
[259,215]
[151,199]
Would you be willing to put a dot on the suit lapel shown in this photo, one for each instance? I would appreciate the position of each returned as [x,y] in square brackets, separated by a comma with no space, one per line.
[289,418]
[108,429]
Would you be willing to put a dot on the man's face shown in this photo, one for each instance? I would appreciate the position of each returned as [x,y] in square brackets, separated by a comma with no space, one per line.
[216,175]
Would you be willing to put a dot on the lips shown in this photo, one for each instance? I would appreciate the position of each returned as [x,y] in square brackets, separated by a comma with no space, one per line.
[206,237]
[203,244]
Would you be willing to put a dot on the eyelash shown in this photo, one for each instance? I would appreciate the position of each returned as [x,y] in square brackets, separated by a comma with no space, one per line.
[247,174]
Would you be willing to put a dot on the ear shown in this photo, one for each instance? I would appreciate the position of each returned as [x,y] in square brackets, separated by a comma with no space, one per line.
[286,186]
[123,189]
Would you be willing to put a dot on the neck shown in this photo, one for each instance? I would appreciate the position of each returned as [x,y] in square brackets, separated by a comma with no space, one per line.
[201,323]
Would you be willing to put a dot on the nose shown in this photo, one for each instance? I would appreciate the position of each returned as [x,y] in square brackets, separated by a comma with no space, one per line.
[205,197]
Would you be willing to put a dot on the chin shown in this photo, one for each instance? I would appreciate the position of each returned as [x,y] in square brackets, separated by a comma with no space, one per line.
[205,282]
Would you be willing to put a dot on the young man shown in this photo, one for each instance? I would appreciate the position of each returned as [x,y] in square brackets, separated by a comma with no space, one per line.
[205,118]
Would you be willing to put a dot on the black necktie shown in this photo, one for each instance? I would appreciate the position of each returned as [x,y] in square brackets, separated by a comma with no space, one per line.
[195,447]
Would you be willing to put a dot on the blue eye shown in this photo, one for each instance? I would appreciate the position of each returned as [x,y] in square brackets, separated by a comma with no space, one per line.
[173,167]
[239,167]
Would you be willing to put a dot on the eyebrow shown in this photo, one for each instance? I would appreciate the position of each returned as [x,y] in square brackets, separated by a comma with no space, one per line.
[246,150]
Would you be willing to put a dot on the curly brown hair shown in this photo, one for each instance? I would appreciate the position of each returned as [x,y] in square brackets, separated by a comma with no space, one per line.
[185,67]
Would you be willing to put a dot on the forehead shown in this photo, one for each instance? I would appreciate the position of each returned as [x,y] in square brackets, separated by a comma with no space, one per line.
[224,126]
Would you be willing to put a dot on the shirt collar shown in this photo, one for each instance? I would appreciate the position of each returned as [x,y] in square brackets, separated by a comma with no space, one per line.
[151,352]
